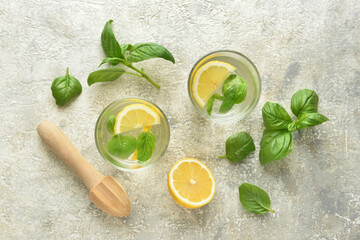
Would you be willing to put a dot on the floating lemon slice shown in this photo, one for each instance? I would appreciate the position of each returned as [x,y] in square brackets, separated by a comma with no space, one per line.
[135,116]
[191,183]
[208,78]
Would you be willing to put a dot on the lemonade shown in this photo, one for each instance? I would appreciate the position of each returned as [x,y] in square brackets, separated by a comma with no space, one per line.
[208,75]
[132,133]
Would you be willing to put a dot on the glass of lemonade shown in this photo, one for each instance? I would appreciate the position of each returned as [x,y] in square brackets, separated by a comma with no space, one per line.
[211,72]
[119,128]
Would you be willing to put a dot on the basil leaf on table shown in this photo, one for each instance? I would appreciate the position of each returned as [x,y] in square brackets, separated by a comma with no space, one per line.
[310,119]
[105,75]
[234,90]
[65,88]
[125,47]
[254,199]
[275,117]
[144,51]
[304,101]
[238,146]
[121,146]
[210,105]
[146,143]
[112,61]
[109,43]
[110,124]
[275,146]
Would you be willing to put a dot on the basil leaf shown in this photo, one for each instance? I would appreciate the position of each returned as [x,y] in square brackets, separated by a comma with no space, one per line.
[110,124]
[65,88]
[309,119]
[125,47]
[234,90]
[144,51]
[210,104]
[112,61]
[109,43]
[145,146]
[275,145]
[275,117]
[254,199]
[238,146]
[105,75]
[304,101]
[121,146]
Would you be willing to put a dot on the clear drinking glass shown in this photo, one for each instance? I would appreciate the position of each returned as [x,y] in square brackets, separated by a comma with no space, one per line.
[161,132]
[243,68]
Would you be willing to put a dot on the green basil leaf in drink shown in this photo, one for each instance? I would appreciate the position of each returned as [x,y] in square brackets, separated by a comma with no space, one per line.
[275,116]
[275,145]
[254,199]
[144,51]
[65,88]
[112,61]
[234,81]
[109,43]
[110,124]
[310,119]
[234,90]
[210,105]
[145,146]
[304,101]
[105,75]
[238,146]
[121,145]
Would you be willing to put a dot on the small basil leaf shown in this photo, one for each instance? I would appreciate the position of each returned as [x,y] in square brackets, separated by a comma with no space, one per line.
[65,88]
[105,75]
[121,146]
[275,145]
[125,47]
[145,146]
[275,116]
[304,101]
[109,43]
[144,51]
[110,124]
[292,127]
[309,119]
[210,104]
[112,61]
[254,199]
[238,146]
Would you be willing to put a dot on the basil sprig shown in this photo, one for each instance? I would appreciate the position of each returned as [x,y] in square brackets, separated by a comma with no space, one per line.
[254,199]
[65,88]
[234,90]
[126,55]
[277,140]
[238,146]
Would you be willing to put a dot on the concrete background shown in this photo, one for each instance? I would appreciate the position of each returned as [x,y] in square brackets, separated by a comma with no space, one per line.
[295,44]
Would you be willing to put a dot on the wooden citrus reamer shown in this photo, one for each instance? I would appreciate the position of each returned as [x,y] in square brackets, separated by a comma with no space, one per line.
[105,192]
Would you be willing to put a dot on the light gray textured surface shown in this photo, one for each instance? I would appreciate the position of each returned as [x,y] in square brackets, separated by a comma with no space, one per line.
[295,44]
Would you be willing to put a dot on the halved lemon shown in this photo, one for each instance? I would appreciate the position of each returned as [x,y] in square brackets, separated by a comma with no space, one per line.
[135,116]
[191,183]
[208,78]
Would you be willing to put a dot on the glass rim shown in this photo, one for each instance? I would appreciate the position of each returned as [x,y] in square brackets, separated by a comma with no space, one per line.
[252,65]
[97,125]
